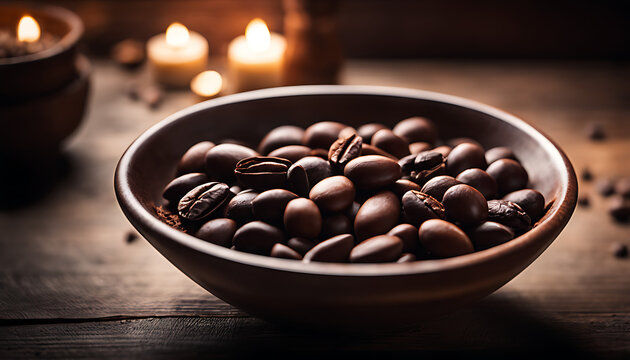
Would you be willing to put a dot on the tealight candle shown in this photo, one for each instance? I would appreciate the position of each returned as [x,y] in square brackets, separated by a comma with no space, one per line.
[207,84]
[177,56]
[255,60]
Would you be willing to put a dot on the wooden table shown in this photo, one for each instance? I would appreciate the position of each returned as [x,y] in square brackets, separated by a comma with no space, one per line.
[72,286]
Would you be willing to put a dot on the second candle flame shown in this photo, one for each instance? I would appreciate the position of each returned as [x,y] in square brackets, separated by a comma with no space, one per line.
[177,35]
[257,35]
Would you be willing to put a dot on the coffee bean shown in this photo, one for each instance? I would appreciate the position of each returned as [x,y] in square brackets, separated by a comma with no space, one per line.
[284,252]
[583,199]
[292,153]
[386,140]
[316,169]
[347,131]
[300,245]
[465,204]
[531,201]
[462,140]
[420,207]
[481,181]
[407,163]
[194,159]
[437,186]
[409,236]
[262,172]
[345,149]
[239,208]
[352,211]
[427,165]
[619,250]
[178,187]
[368,130]
[322,134]
[509,214]
[378,214]
[586,175]
[445,150]
[400,187]
[377,249]
[489,234]
[605,187]
[416,129]
[443,239]
[595,131]
[333,194]
[279,137]
[320,153]
[372,171]
[465,156]
[509,175]
[335,224]
[367,149]
[203,200]
[406,258]
[623,187]
[269,206]
[235,189]
[499,152]
[302,218]
[298,180]
[418,147]
[335,249]
[619,208]
[218,231]
[257,237]
[222,159]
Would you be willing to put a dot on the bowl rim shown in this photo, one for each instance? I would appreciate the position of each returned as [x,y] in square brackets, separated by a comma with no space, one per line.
[556,218]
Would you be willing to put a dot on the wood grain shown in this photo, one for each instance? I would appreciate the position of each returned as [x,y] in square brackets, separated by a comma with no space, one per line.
[70,284]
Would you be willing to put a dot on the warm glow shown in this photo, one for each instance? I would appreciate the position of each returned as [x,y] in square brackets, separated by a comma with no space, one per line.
[257,35]
[207,84]
[177,35]
[28,29]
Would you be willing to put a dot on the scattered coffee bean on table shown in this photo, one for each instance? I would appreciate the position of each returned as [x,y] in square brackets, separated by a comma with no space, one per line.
[333,193]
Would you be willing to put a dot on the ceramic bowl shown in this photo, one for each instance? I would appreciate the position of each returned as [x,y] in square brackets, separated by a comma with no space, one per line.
[341,296]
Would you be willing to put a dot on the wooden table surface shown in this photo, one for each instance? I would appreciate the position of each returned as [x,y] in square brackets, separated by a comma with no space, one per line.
[72,286]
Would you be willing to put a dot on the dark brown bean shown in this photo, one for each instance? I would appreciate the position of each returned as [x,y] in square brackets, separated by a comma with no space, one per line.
[372,171]
[333,194]
[427,165]
[465,156]
[489,234]
[418,147]
[481,181]
[407,163]
[257,237]
[409,236]
[335,224]
[292,153]
[347,131]
[499,152]
[269,206]
[203,200]
[605,187]
[316,169]
[301,245]
[367,149]
[509,175]
[345,149]
[320,153]
[386,140]
[377,249]
[322,134]
[437,186]
[279,137]
[239,208]
[406,258]
[619,208]
[378,214]
[218,231]
[465,204]
[298,180]
[529,200]
[179,186]
[352,211]
[335,249]
[368,130]
[509,214]
[443,239]
[284,252]
[416,129]
[420,207]
[302,218]
[222,159]
[194,159]
[619,250]
[400,187]
[262,172]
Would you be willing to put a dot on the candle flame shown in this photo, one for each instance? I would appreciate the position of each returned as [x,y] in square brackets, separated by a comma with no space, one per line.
[257,35]
[207,83]
[177,35]
[28,29]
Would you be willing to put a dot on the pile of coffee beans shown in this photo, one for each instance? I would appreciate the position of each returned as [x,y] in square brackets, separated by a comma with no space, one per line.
[333,193]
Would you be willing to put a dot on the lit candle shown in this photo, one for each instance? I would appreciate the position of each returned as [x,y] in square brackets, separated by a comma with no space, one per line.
[177,56]
[207,84]
[28,29]
[255,60]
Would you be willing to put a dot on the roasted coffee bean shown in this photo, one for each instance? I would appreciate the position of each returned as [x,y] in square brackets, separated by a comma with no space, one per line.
[320,153]
[347,131]
[586,175]
[218,231]
[462,140]
[222,159]
[420,207]
[583,199]
[427,165]
[378,214]
[333,194]
[489,234]
[257,237]
[235,189]
[400,187]
[595,131]
[367,149]
[269,206]
[372,171]
[352,211]
[409,236]
[605,187]
[368,130]
[443,239]
[445,150]
[302,218]
[481,181]
[262,172]
[301,245]
[279,137]
[177,188]
[393,144]
[509,175]
[465,156]
[619,250]
[418,147]
[284,252]
[203,200]
[377,249]
[322,134]
[335,224]
[437,186]
[335,249]
[499,152]
[619,208]
[292,153]
[345,149]
[407,163]
[316,169]
[465,204]
[623,187]
[416,129]
[239,208]
[531,201]
[298,180]
[194,159]
[509,214]
[406,258]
